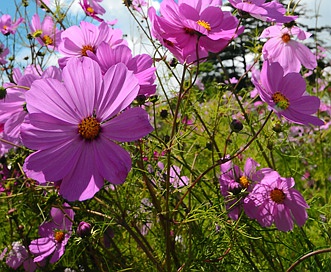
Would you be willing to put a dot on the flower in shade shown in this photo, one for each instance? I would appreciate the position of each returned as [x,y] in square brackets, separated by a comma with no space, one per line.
[78,40]
[282,48]
[191,29]
[17,256]
[233,181]
[285,94]
[79,120]
[45,32]
[140,65]
[4,51]
[175,178]
[83,229]
[7,26]
[270,12]
[274,200]
[92,8]
[54,235]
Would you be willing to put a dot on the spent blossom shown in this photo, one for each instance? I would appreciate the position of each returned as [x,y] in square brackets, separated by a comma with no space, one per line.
[79,120]
[54,235]
[285,94]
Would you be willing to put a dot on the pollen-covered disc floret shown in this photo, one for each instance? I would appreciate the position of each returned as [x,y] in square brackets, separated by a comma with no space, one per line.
[204,24]
[87,48]
[286,38]
[89,128]
[280,100]
[244,182]
[59,236]
[277,196]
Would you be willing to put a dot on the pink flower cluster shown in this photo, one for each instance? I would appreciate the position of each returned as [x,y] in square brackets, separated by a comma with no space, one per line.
[80,110]
[263,195]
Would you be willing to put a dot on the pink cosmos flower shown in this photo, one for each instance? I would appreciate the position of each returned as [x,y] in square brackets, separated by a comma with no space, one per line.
[175,178]
[79,120]
[54,235]
[274,200]
[45,32]
[12,107]
[138,4]
[233,181]
[92,8]
[17,256]
[187,28]
[3,54]
[285,94]
[282,48]
[270,12]
[77,41]
[7,26]
[140,65]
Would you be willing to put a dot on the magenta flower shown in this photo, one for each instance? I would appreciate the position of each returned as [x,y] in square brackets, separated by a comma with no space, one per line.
[18,256]
[92,8]
[138,4]
[12,107]
[286,95]
[270,12]
[45,32]
[188,27]
[282,48]
[83,229]
[54,235]
[7,26]
[77,41]
[274,200]
[3,54]
[175,178]
[140,65]
[233,181]
[80,119]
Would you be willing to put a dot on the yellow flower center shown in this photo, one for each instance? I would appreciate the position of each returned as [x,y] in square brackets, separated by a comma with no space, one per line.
[89,128]
[59,236]
[90,10]
[280,100]
[204,24]
[244,182]
[286,38]
[277,196]
[47,40]
[37,33]
[5,27]
[87,48]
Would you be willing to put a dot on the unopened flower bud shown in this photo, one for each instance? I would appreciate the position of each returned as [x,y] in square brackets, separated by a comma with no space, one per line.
[277,128]
[236,125]
[83,229]
[164,114]
[3,92]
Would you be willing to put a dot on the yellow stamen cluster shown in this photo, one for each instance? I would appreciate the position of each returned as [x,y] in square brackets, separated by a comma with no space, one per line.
[244,182]
[47,40]
[280,100]
[59,236]
[89,128]
[277,196]
[87,48]
[90,10]
[204,24]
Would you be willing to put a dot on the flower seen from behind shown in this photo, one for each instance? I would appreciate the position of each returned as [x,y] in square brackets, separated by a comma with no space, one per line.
[80,120]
